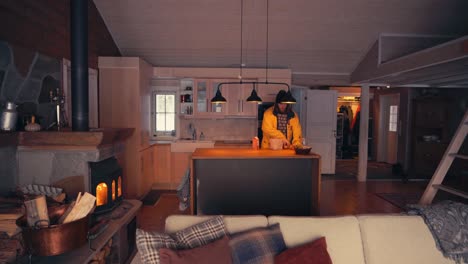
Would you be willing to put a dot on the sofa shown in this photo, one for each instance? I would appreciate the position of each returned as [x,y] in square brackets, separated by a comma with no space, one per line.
[356,239]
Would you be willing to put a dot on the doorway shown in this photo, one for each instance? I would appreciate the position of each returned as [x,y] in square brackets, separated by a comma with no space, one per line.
[348,147]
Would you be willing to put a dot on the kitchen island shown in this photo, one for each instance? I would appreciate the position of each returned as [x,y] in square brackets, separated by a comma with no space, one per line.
[246,181]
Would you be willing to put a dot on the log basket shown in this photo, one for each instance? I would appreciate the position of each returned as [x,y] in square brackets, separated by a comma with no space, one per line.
[56,238]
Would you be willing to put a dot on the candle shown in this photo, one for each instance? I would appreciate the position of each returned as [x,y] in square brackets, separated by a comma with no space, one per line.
[58,116]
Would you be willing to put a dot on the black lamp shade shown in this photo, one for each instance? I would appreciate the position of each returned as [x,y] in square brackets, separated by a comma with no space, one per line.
[254,98]
[218,98]
[288,98]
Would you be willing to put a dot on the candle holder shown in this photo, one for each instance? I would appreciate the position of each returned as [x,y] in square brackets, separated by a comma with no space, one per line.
[59,100]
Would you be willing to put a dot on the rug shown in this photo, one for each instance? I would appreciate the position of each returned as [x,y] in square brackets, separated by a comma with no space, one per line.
[400,199]
[153,196]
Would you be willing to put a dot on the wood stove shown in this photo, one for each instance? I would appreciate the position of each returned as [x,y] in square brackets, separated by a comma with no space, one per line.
[106,184]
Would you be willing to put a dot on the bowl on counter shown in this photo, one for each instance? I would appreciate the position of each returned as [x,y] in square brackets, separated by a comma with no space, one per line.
[304,150]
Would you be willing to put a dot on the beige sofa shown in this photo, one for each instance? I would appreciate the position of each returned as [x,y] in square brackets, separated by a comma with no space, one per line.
[369,239]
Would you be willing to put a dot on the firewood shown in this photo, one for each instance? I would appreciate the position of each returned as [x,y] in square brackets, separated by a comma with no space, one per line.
[84,204]
[60,198]
[67,212]
[78,197]
[36,212]
[9,216]
[9,227]
[8,222]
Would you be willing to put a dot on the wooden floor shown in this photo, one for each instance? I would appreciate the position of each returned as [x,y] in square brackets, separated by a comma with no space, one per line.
[338,197]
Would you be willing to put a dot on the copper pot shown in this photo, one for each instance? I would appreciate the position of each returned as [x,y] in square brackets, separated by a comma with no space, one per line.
[57,238]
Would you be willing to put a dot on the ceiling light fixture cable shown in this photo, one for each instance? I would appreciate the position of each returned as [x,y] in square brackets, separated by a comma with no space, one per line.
[253,96]
[241,39]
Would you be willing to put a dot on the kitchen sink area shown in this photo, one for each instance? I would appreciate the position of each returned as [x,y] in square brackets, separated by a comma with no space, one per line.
[189,145]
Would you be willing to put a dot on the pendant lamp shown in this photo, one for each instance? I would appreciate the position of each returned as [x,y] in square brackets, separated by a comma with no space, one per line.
[288,98]
[218,98]
[254,98]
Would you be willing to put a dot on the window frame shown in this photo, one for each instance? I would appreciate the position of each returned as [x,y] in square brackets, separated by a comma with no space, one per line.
[164,91]
[393,114]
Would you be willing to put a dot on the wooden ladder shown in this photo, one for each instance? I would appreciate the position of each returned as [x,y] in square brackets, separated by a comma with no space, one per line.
[450,154]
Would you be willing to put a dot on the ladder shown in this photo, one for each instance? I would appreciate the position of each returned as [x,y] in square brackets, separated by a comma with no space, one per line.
[450,154]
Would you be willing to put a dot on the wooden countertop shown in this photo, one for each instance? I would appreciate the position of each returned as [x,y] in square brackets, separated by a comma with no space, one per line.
[230,153]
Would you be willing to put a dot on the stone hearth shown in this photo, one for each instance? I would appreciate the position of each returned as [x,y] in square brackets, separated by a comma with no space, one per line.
[51,156]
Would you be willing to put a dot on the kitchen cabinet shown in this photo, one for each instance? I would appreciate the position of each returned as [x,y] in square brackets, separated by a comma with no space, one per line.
[236,97]
[204,90]
[256,178]
[124,101]
[162,166]
[430,134]
[235,94]
[186,98]
[147,162]
[169,167]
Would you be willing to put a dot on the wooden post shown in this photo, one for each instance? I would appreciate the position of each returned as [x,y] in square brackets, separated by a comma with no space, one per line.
[363,133]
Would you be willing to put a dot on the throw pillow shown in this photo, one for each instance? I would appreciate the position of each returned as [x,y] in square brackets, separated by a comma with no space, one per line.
[314,252]
[258,245]
[212,253]
[200,234]
[149,243]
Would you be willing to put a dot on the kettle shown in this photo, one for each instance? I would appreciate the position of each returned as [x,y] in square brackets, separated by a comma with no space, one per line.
[9,117]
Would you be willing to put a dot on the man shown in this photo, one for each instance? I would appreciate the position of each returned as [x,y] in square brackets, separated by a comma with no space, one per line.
[280,121]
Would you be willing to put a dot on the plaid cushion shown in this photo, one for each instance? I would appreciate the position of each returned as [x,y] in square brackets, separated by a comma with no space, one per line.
[258,245]
[148,244]
[200,234]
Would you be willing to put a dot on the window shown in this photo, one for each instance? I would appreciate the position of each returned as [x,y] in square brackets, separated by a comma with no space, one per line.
[164,114]
[392,126]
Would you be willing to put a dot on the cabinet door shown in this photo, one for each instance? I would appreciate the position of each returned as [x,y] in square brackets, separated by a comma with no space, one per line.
[200,97]
[233,102]
[147,166]
[431,113]
[217,109]
[162,165]
[427,156]
[247,108]
[237,104]
[204,91]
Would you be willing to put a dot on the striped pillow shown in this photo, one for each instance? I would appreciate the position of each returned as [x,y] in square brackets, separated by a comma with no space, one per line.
[148,243]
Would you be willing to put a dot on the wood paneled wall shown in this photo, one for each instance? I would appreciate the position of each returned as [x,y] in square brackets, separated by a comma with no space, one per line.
[44,26]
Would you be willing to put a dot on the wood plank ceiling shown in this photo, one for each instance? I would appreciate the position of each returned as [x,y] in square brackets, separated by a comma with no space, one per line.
[321,41]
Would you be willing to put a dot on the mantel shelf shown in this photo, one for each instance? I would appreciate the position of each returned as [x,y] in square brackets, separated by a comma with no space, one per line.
[67,138]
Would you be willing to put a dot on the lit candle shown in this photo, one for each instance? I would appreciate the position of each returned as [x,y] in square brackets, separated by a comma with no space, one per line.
[58,115]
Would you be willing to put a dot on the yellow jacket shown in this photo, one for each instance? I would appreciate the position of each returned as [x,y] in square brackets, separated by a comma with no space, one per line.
[269,129]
